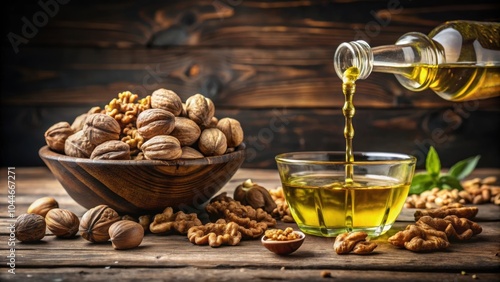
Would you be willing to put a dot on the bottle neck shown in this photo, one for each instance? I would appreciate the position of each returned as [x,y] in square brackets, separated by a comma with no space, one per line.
[411,51]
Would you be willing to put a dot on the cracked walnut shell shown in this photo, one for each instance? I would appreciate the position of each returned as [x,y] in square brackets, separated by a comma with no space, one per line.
[215,234]
[155,122]
[254,195]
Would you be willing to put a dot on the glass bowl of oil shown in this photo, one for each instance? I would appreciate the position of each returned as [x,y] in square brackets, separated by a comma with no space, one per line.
[328,196]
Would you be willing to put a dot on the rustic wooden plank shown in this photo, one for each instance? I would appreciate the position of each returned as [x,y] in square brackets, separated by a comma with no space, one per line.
[175,255]
[456,133]
[235,78]
[240,23]
[479,254]
[116,272]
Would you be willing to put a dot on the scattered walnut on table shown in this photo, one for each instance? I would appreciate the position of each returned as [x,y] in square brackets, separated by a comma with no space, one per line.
[442,212]
[168,222]
[354,242]
[215,234]
[455,228]
[282,209]
[419,239]
[252,222]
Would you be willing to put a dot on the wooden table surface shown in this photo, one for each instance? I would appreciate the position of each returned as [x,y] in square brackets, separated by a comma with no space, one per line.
[173,257]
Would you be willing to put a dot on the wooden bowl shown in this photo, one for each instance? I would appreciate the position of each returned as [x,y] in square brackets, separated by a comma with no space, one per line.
[283,247]
[143,186]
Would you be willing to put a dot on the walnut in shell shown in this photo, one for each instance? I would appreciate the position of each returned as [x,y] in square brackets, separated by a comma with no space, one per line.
[167,100]
[191,153]
[199,110]
[100,128]
[155,122]
[186,131]
[30,227]
[162,147]
[212,142]
[111,150]
[232,130]
[95,223]
[77,145]
[57,134]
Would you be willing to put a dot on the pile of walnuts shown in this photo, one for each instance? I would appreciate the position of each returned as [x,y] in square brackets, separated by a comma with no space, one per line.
[434,229]
[158,127]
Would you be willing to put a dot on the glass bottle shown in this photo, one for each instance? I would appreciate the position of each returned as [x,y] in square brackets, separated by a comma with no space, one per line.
[459,60]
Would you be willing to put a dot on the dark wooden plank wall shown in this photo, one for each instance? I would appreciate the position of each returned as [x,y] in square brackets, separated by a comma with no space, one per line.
[266,63]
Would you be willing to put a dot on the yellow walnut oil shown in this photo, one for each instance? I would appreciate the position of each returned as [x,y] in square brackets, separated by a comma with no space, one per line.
[326,205]
[457,82]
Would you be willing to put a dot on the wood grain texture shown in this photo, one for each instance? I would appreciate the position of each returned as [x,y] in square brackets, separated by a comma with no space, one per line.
[232,78]
[147,186]
[258,23]
[174,256]
[250,57]
[455,132]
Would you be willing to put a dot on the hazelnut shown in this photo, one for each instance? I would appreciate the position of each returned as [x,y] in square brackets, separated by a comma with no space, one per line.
[30,227]
[96,222]
[42,205]
[232,130]
[126,234]
[212,142]
[56,135]
[62,223]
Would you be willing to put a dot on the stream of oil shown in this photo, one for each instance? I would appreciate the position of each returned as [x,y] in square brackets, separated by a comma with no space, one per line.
[349,88]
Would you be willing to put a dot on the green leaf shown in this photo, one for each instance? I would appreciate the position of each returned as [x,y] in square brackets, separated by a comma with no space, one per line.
[449,182]
[432,163]
[463,168]
[421,182]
